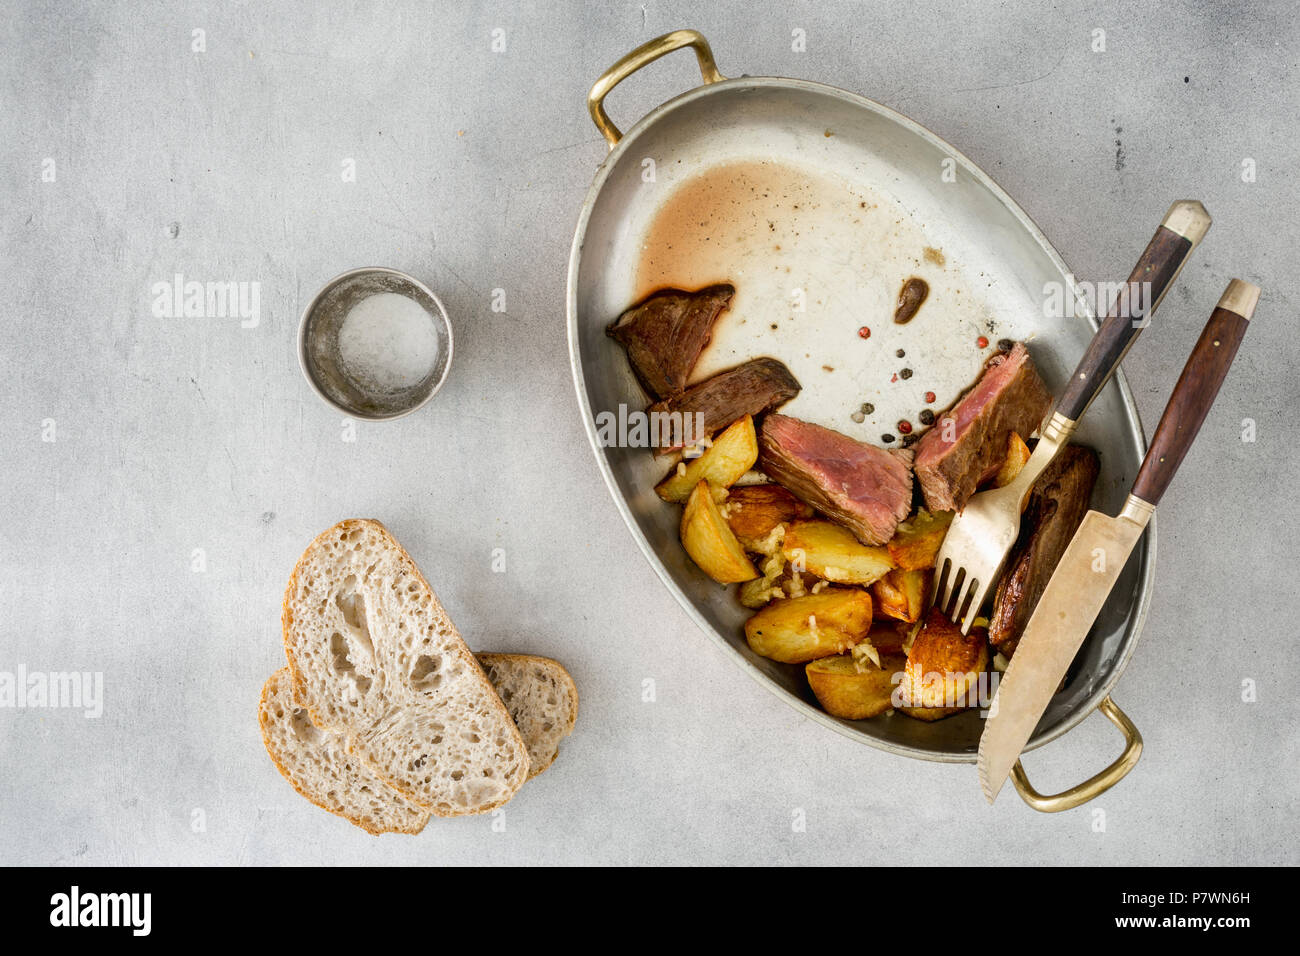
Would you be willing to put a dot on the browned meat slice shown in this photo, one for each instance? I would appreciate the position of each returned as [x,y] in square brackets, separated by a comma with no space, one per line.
[1056,507]
[971,439]
[665,334]
[865,488]
[715,403]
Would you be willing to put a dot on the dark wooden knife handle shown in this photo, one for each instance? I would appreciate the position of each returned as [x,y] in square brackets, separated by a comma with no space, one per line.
[1195,392]
[1164,257]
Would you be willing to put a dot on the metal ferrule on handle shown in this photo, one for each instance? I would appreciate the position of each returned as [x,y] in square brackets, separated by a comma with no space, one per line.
[1055,435]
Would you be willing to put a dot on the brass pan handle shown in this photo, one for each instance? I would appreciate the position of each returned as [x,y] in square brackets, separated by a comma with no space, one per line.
[1094,786]
[643,55]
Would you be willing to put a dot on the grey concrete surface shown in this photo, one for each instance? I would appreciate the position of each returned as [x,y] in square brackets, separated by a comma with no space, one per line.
[150,540]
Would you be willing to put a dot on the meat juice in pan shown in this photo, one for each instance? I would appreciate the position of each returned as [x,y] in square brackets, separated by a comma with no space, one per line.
[815,260]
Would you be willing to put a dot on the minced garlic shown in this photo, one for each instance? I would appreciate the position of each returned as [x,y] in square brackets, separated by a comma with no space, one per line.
[865,651]
[771,545]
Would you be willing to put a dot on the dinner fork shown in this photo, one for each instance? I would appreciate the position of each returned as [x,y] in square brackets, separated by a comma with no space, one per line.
[982,533]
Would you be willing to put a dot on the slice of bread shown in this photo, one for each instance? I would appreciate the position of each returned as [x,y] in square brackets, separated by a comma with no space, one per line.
[542,699]
[376,660]
[319,767]
[538,692]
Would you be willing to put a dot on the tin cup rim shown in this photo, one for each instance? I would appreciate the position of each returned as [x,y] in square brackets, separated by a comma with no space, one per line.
[307,364]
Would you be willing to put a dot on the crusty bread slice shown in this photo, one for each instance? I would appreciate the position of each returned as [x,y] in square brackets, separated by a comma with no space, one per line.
[538,692]
[542,699]
[320,768]
[376,659]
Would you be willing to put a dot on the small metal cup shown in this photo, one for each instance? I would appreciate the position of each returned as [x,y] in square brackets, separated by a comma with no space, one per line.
[318,344]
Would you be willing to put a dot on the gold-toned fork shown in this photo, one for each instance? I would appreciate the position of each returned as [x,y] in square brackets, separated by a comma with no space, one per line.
[982,533]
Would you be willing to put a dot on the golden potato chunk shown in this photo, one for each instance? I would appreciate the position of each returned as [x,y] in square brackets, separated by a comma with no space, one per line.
[943,664]
[1017,454]
[854,690]
[802,629]
[832,552]
[918,539]
[755,510]
[709,541]
[723,463]
[900,594]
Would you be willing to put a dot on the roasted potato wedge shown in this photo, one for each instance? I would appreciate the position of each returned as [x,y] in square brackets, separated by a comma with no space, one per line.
[1017,455]
[918,539]
[943,664]
[832,552]
[802,629]
[854,690]
[754,511]
[730,455]
[900,594]
[709,541]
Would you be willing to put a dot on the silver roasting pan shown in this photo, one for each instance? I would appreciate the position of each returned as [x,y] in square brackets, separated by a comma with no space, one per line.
[986,238]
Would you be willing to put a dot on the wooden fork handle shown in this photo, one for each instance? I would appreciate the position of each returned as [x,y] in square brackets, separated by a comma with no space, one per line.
[1195,392]
[1184,225]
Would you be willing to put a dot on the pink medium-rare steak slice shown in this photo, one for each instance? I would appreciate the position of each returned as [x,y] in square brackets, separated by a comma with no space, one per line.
[971,439]
[665,334]
[865,488]
[713,404]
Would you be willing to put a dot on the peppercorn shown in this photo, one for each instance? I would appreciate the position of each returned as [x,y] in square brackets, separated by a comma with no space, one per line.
[864,333]
[927,417]
[905,373]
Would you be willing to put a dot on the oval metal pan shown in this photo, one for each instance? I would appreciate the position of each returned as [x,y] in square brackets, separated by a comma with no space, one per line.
[971,218]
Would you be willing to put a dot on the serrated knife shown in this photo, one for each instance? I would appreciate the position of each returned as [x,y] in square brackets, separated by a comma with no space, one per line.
[1092,563]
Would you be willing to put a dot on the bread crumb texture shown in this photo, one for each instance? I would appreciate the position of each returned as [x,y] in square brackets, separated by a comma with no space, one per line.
[377,662]
[542,700]
[319,767]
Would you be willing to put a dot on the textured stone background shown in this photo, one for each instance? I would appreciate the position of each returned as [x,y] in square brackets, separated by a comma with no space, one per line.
[174,435]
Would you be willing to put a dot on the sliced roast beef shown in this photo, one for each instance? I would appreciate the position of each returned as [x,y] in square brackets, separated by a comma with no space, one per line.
[1056,507]
[665,334]
[971,439]
[865,488]
[715,403]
